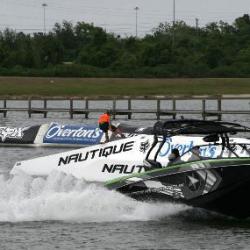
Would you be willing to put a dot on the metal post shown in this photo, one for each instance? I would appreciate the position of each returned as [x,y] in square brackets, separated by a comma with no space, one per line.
[87,108]
[44,17]
[173,36]
[71,109]
[5,106]
[114,108]
[204,109]
[173,12]
[136,21]
[174,108]
[219,108]
[45,108]
[158,109]
[129,108]
[196,23]
[29,110]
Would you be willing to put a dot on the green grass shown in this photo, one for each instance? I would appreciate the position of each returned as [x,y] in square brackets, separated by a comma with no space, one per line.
[77,87]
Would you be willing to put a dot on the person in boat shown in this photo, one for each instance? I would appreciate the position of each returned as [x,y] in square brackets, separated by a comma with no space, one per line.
[174,157]
[195,154]
[104,124]
[116,131]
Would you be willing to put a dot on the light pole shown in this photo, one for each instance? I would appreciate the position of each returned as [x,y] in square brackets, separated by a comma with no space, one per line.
[44,17]
[196,23]
[173,24]
[173,12]
[136,20]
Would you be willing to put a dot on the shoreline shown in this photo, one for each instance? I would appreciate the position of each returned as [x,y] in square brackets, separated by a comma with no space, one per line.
[51,87]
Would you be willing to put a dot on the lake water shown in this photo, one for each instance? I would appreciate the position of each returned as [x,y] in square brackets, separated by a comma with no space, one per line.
[61,212]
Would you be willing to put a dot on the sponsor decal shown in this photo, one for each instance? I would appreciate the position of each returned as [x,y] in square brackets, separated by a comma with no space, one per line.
[96,153]
[193,181]
[12,133]
[206,151]
[171,190]
[144,146]
[73,134]
[122,169]
[200,182]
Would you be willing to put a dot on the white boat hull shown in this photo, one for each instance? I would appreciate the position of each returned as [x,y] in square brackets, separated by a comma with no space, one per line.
[104,162]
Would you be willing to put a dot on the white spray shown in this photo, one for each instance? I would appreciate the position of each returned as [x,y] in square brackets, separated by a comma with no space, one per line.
[63,197]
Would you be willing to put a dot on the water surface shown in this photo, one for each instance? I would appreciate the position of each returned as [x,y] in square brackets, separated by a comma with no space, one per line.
[61,212]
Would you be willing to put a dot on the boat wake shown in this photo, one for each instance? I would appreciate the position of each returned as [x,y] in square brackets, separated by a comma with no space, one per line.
[65,198]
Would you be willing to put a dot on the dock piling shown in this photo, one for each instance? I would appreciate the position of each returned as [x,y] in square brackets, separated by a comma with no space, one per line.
[158,108]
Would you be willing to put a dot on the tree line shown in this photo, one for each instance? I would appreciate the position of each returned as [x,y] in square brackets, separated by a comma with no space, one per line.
[217,50]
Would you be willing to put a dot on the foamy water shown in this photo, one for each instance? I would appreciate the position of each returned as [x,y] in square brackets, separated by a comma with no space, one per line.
[63,197]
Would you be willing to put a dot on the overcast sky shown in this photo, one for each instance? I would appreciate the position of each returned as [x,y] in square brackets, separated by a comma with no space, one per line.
[117,15]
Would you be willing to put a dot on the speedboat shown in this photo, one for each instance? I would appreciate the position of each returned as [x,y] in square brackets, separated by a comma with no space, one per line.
[104,162]
[217,179]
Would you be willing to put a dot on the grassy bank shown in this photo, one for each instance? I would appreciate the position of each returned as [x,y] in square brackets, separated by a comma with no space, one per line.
[30,86]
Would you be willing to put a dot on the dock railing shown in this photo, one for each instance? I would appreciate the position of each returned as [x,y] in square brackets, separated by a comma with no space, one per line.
[160,110]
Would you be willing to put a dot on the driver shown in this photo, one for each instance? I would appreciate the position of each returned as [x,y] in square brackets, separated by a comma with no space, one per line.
[174,157]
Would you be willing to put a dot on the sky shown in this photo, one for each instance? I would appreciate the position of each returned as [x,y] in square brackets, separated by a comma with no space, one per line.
[118,16]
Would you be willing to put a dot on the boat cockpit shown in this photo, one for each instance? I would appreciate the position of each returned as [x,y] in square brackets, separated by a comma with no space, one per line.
[200,140]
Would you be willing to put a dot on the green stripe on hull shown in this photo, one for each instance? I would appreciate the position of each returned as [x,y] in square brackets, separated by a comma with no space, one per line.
[213,162]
